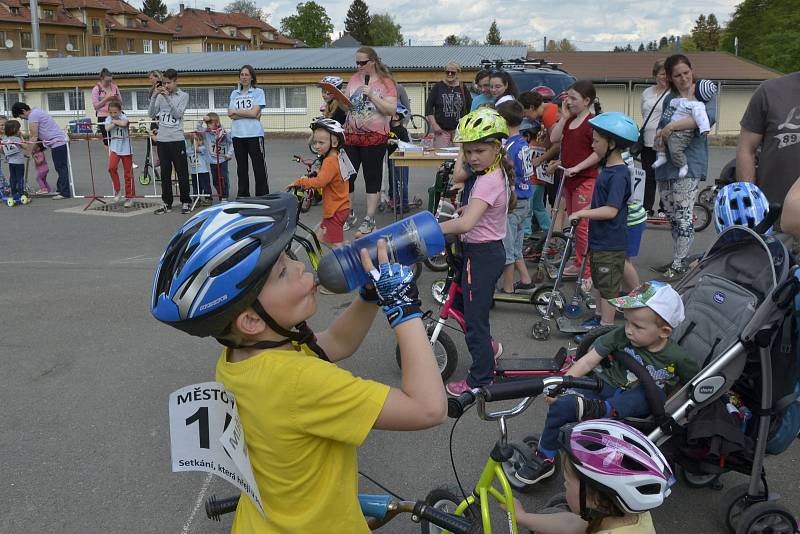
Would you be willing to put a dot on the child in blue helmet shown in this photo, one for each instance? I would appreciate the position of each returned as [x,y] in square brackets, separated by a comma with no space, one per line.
[229,273]
[608,215]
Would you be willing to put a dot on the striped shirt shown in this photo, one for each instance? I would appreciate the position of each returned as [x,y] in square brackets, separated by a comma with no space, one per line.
[636,213]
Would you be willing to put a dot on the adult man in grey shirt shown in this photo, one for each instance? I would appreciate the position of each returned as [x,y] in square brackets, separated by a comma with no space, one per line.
[167,105]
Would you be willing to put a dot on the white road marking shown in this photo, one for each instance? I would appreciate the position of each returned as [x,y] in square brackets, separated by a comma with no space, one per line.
[197,504]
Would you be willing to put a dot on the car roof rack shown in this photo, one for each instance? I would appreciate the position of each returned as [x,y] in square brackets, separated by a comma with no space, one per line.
[519,64]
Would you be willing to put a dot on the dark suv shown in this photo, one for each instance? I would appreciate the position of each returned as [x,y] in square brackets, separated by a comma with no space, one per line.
[530,73]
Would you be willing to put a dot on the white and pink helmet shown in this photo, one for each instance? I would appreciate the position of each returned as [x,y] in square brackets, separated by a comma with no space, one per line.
[621,461]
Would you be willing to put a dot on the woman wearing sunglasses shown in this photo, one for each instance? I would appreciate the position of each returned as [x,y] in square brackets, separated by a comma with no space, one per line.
[373,98]
[447,102]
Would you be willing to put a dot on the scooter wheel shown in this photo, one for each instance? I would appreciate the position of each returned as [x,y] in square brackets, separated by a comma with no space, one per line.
[382,207]
[573,311]
[540,330]
[24,199]
[10,202]
[144,179]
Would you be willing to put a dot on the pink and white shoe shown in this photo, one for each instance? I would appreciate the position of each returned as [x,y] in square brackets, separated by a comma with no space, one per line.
[497,349]
[458,388]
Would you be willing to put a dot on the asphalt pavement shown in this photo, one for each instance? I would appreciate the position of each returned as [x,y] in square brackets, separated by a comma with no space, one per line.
[86,374]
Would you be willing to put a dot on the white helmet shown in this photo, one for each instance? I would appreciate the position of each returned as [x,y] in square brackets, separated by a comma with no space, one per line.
[334,81]
[619,460]
[330,125]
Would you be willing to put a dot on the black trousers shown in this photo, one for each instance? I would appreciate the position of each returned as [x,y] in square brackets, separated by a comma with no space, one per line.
[254,148]
[648,157]
[173,154]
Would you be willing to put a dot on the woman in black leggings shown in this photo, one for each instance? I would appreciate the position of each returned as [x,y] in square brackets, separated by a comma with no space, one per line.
[244,109]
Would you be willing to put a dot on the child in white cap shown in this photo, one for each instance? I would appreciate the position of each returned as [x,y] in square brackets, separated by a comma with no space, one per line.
[652,311]
[681,108]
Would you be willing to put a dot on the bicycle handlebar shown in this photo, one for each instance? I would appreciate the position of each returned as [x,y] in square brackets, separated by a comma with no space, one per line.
[381,507]
[518,389]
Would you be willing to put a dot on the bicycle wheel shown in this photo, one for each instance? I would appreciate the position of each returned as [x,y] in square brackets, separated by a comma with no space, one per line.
[447,499]
[444,350]
[437,263]
[706,196]
[701,217]
[418,127]
[555,248]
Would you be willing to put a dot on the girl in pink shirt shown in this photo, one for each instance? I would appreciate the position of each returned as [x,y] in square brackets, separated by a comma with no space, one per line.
[102,94]
[481,227]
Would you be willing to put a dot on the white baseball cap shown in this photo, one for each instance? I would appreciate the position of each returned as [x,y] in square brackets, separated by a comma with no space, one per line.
[658,296]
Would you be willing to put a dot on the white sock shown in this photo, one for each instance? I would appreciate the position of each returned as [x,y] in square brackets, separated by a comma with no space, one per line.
[683,171]
[660,159]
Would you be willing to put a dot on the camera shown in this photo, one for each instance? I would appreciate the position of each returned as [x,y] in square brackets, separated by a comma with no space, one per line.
[159,83]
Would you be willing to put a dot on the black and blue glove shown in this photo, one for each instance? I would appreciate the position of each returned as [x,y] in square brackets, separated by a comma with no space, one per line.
[397,293]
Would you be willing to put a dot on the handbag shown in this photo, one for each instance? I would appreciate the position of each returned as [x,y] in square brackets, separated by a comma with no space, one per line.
[636,149]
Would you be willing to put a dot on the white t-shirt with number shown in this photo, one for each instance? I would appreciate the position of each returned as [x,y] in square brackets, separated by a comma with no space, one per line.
[245,100]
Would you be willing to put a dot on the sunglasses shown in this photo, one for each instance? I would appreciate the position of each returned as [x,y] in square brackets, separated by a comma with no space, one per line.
[362,63]
[450,72]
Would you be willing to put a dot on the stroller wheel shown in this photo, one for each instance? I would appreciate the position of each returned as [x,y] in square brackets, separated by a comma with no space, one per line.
[767,518]
[540,330]
[733,505]
[694,480]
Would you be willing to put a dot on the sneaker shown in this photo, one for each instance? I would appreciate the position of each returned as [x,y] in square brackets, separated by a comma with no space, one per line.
[128,203]
[350,222]
[59,197]
[135,166]
[367,225]
[594,322]
[163,209]
[118,196]
[586,285]
[571,270]
[185,208]
[497,349]
[456,389]
[587,409]
[519,287]
[537,469]
[661,268]
[674,273]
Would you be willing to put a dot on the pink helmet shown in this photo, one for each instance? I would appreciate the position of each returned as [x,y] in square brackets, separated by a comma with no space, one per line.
[619,460]
[544,91]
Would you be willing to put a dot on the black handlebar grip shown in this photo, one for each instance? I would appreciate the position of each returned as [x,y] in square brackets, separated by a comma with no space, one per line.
[516,389]
[457,405]
[457,525]
[216,508]
[582,382]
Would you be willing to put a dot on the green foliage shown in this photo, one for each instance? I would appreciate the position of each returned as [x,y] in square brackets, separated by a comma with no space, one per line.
[311,24]
[357,22]
[768,32]
[155,9]
[564,45]
[384,32]
[246,7]
[705,33]
[460,40]
[493,37]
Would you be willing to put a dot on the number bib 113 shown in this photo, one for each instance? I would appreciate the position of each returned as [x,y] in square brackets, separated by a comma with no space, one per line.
[206,435]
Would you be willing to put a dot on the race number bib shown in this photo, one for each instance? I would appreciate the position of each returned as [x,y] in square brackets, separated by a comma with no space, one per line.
[206,435]
[243,102]
[637,182]
[541,169]
[166,118]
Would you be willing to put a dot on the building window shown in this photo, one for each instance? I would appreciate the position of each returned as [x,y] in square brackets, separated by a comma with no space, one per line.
[95,26]
[130,22]
[198,98]
[147,45]
[2,39]
[73,40]
[97,50]
[14,10]
[163,47]
[66,101]
[222,97]
[50,41]
[209,47]
[25,40]
[7,100]
[112,43]
[48,14]
[136,100]
[131,45]
[286,99]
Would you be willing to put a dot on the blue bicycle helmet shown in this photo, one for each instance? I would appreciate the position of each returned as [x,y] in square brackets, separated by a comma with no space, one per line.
[740,203]
[402,111]
[618,126]
[217,263]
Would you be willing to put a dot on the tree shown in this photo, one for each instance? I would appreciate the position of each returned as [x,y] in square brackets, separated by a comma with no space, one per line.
[564,45]
[493,37]
[384,32]
[663,43]
[706,33]
[460,40]
[714,32]
[155,9]
[246,7]
[357,22]
[311,24]
[452,40]
[641,47]
[768,32]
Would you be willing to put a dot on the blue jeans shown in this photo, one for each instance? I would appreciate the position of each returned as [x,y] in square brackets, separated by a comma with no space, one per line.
[221,175]
[483,265]
[61,163]
[398,181]
[624,403]
[536,209]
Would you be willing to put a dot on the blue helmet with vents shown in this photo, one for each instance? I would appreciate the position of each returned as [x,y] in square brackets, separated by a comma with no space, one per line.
[740,203]
[218,261]
[618,126]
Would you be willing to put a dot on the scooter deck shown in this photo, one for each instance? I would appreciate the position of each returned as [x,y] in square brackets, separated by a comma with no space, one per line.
[516,298]
[570,326]
[532,365]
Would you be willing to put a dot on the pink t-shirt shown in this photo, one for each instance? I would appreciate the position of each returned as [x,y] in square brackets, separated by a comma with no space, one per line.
[493,189]
[98,93]
[365,125]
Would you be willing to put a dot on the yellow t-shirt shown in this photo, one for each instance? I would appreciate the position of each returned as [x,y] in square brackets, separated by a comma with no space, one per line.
[643,525]
[303,420]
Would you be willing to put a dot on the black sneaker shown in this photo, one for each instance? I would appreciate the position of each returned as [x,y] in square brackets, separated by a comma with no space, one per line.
[538,469]
[163,209]
[674,273]
[587,409]
[519,287]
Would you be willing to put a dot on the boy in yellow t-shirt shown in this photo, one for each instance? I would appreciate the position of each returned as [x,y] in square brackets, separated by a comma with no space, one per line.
[226,274]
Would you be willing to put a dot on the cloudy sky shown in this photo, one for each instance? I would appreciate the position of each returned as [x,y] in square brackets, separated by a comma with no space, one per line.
[589,24]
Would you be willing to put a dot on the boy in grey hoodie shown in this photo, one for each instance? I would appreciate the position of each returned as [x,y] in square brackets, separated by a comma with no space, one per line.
[167,105]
